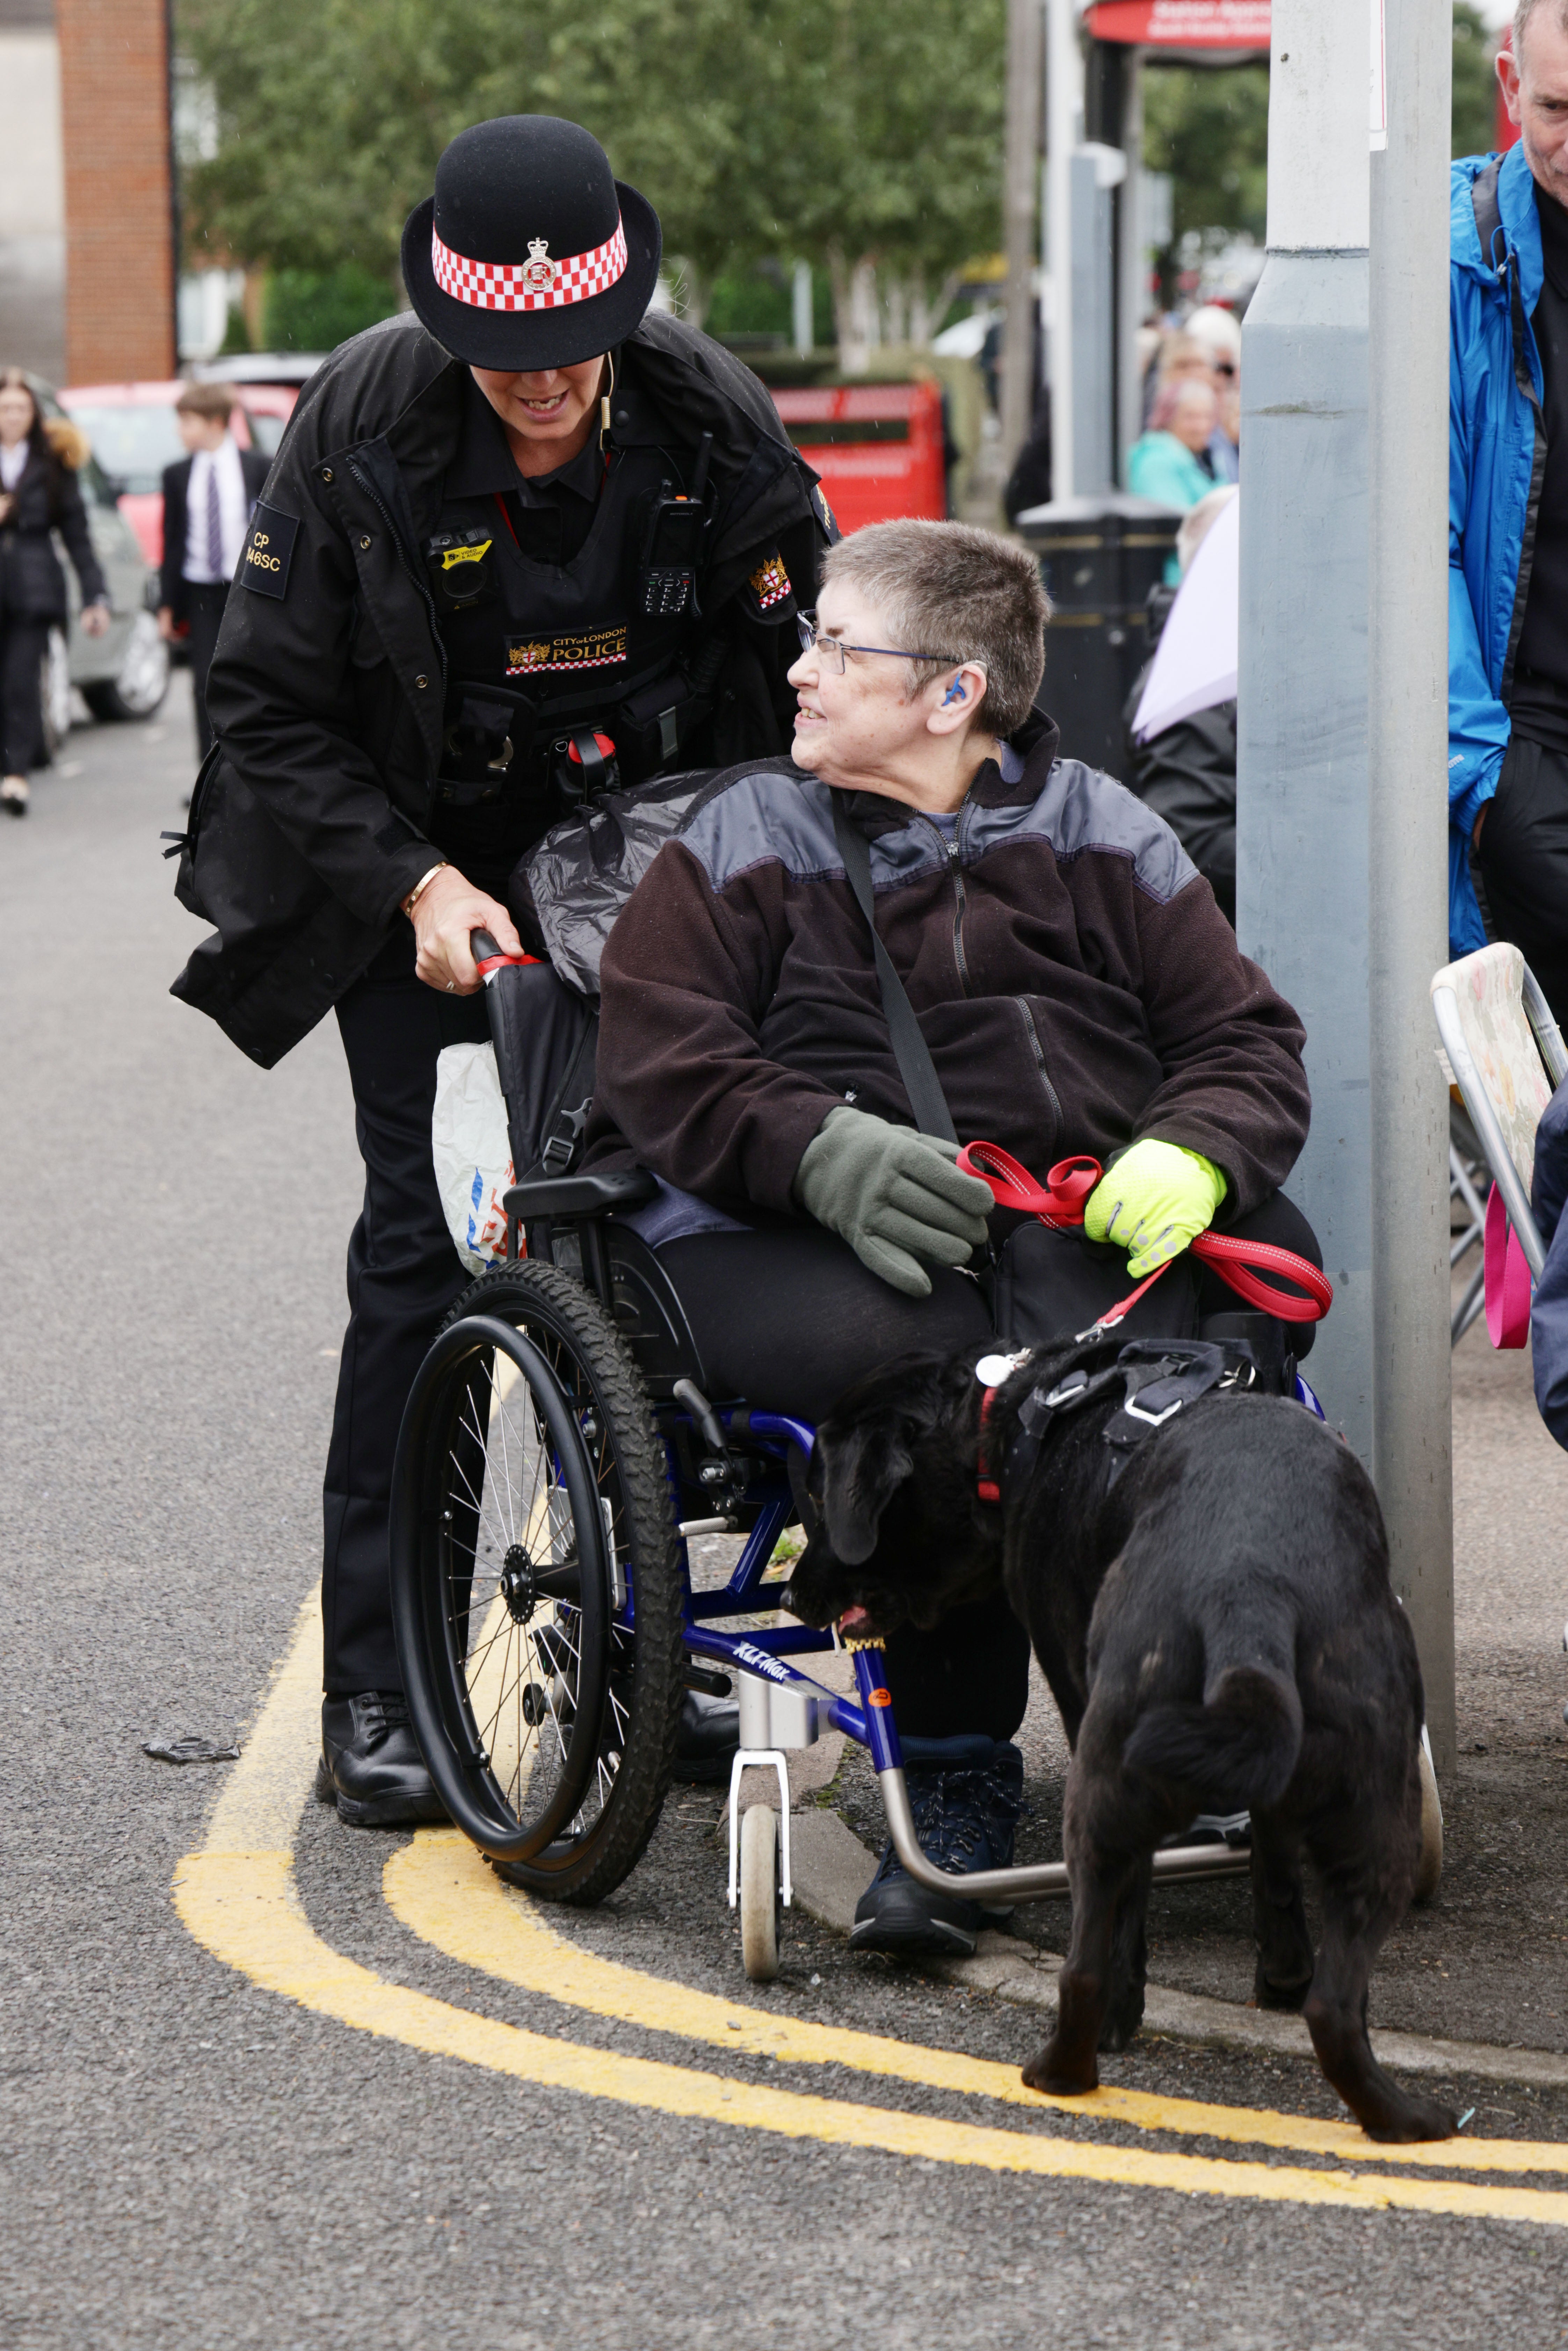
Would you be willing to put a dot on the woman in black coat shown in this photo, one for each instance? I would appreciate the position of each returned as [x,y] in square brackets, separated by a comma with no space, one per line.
[39,495]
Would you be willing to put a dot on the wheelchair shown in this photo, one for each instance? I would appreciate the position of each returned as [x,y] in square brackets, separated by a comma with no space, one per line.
[558,1454]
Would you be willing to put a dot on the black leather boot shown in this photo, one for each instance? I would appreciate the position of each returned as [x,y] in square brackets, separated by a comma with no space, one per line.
[371,1765]
[709,1737]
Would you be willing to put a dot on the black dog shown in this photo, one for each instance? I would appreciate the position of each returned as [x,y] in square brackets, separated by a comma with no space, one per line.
[1219,1630]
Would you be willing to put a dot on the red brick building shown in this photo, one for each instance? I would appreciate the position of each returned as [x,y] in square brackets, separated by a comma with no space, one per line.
[118,193]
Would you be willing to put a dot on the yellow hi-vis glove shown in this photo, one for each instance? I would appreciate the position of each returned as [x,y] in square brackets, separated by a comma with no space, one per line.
[1155,1199]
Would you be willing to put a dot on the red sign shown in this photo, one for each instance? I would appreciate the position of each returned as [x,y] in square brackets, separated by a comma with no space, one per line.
[1183,24]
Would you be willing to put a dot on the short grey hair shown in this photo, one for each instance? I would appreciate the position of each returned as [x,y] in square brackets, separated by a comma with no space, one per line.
[948,588]
[1523,14]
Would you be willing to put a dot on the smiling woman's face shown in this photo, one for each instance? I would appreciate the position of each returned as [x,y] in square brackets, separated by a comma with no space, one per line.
[548,414]
[848,728]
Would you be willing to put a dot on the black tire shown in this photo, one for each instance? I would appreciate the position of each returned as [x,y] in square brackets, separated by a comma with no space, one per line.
[554,1761]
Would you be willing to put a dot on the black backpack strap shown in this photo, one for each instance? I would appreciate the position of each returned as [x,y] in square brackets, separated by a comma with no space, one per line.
[1502,260]
[1488,218]
[910,1051]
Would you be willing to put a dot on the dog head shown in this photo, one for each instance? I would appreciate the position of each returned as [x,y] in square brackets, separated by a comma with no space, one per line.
[900,1535]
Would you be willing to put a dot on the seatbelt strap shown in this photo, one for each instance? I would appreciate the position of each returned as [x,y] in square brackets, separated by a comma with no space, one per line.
[910,1051]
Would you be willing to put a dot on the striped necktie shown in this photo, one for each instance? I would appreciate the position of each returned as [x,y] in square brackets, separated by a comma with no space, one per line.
[214,523]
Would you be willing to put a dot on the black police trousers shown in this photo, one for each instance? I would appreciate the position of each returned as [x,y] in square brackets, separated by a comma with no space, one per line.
[1523,860]
[403,1274]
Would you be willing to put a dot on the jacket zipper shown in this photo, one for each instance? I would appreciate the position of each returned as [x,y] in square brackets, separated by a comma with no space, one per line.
[950,849]
[1033,1035]
[428,600]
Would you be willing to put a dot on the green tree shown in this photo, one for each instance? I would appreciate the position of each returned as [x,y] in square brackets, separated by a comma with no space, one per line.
[846,132]
[1474,113]
[1209,130]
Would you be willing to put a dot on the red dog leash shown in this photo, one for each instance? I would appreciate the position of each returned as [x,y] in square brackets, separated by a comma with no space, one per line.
[1245,1265]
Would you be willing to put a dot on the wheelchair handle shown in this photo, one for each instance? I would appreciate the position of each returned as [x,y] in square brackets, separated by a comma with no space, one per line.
[487,955]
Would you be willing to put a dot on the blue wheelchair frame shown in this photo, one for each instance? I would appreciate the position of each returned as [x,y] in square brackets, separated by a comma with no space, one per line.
[760,1659]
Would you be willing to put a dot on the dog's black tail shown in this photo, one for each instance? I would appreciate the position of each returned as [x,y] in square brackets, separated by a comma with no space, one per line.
[1237,1751]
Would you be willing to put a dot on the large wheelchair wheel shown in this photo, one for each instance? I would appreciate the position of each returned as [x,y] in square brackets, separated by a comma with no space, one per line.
[536,1585]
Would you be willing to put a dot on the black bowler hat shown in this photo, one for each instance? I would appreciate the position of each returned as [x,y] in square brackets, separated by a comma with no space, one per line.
[530,254]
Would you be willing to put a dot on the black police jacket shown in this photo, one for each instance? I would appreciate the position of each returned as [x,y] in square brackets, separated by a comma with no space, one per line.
[308,823]
[48,498]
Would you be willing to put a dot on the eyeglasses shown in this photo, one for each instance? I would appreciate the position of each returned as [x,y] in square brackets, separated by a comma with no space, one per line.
[832,649]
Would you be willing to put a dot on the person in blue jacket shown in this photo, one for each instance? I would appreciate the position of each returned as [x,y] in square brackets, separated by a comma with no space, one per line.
[1508,517]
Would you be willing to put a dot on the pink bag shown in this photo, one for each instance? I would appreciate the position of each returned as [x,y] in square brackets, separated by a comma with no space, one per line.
[1507,1277]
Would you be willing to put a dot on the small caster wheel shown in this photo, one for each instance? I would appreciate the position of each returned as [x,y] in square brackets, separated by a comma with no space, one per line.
[760,1893]
[1430,1865]
[535,1705]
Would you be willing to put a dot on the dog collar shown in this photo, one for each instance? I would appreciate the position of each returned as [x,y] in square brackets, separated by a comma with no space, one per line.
[991,1371]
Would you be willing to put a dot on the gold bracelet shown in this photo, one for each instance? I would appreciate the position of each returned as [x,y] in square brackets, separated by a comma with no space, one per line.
[414,895]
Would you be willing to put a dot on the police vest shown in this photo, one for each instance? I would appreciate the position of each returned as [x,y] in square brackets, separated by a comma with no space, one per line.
[565,678]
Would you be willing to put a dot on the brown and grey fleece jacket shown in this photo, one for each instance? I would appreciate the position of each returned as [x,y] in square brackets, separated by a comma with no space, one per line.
[1075,982]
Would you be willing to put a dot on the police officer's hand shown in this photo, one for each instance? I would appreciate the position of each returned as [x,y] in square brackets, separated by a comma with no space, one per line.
[446,911]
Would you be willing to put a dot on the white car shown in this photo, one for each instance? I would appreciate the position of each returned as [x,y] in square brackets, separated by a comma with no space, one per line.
[124,673]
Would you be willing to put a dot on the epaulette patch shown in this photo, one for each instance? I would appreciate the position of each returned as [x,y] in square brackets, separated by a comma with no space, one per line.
[828,524]
[269,550]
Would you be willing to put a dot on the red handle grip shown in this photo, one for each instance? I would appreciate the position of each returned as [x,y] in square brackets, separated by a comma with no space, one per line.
[487,956]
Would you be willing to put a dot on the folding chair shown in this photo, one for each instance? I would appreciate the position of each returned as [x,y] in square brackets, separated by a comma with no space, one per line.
[1508,1058]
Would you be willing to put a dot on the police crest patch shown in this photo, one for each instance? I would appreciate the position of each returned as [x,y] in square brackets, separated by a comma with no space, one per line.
[601,648]
[770,583]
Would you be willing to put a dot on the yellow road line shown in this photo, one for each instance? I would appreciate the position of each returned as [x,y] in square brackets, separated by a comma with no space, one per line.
[237,1898]
[441,1889]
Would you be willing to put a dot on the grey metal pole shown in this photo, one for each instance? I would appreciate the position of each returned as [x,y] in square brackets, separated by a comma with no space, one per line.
[1407,743]
[1132,267]
[1302,892]
[1021,173]
[1064,110]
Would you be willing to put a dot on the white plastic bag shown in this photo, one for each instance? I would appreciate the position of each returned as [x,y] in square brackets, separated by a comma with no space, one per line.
[472,1151]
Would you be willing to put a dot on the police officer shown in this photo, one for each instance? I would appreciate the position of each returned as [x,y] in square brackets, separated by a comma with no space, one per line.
[525,542]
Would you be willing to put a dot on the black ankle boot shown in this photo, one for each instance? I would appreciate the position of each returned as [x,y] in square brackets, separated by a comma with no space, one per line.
[371,1765]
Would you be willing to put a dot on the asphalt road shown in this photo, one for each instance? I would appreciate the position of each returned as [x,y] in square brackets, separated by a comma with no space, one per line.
[192,2158]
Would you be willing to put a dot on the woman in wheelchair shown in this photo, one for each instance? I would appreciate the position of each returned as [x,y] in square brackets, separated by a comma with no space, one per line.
[1075,989]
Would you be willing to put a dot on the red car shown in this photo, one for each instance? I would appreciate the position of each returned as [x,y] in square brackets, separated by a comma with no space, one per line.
[134,435]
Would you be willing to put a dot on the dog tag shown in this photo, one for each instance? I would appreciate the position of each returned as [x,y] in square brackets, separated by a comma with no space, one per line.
[992,1370]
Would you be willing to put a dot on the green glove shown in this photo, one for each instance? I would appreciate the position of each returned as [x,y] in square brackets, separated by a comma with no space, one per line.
[893,1194]
[1154,1201]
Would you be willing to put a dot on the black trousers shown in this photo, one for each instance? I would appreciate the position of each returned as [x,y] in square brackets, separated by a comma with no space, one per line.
[204,609]
[403,1274]
[22,647]
[788,1319]
[1523,860]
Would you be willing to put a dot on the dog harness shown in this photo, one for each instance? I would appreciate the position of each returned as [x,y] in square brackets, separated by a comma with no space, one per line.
[1158,1377]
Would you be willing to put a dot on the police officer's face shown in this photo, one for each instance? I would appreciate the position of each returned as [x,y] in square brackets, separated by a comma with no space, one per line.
[1536,91]
[548,414]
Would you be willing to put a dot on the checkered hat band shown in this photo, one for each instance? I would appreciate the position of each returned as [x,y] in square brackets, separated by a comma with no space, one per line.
[540,283]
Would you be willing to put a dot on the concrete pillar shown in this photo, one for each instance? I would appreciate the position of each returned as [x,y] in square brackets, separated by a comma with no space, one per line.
[1302,903]
[120,244]
[1407,731]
